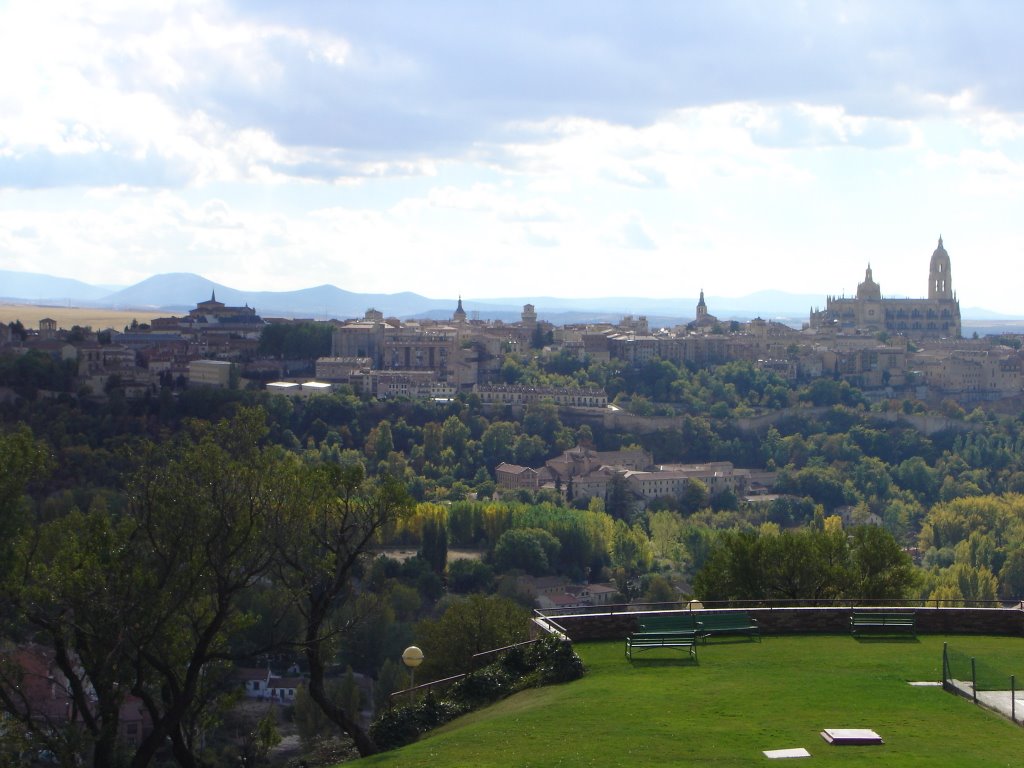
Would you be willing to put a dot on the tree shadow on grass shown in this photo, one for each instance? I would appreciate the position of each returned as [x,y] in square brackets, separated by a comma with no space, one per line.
[730,640]
[663,661]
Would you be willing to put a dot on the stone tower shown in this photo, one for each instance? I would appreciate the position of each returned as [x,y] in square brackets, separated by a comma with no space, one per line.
[459,316]
[702,308]
[940,284]
[869,290]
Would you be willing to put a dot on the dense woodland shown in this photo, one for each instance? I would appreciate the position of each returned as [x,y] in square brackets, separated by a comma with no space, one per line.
[154,545]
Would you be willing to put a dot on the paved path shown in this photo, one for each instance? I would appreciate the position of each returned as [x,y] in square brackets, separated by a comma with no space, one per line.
[998,701]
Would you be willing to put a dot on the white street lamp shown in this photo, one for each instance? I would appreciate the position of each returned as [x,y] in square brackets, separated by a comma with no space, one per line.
[412,657]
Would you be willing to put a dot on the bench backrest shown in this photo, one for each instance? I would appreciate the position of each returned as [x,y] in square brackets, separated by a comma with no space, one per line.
[733,619]
[676,622]
[894,617]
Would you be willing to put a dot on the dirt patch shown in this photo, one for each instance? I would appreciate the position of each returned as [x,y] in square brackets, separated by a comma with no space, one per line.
[404,553]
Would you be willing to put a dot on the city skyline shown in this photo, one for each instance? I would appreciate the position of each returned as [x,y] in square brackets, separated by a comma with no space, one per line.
[584,150]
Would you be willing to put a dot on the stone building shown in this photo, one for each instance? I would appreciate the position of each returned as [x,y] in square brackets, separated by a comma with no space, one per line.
[937,316]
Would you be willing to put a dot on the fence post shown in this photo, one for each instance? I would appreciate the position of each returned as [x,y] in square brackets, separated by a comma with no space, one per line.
[1013,698]
[974,681]
[945,667]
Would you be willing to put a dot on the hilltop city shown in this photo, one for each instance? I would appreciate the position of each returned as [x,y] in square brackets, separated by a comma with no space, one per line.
[885,346]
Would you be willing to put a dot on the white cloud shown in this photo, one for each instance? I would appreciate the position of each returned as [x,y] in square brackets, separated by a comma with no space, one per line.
[710,145]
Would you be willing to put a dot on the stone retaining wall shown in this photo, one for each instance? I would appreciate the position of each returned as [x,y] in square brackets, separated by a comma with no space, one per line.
[789,621]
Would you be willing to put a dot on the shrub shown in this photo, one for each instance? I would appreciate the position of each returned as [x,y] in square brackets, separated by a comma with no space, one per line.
[403,725]
[544,662]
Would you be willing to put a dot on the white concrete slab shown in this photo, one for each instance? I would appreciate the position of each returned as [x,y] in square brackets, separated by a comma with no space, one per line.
[851,736]
[775,754]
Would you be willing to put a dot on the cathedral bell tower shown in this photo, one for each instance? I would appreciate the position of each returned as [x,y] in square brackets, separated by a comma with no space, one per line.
[940,284]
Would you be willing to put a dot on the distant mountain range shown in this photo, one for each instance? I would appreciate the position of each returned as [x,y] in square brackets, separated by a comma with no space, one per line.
[176,293]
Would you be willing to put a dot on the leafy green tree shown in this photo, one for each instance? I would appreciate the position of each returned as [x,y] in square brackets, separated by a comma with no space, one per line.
[434,546]
[454,435]
[529,450]
[24,462]
[310,721]
[541,419]
[469,575]
[379,443]
[1011,576]
[392,677]
[146,602]
[694,496]
[631,549]
[666,529]
[807,564]
[498,443]
[659,590]
[323,536]
[471,625]
[619,502]
[881,569]
[533,550]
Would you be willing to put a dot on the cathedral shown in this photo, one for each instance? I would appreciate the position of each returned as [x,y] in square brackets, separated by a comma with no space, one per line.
[937,316]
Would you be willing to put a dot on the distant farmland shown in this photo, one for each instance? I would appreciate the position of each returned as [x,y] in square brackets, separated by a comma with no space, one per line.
[97,319]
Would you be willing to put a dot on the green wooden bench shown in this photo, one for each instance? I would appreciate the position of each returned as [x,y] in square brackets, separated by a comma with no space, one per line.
[728,623]
[883,622]
[678,630]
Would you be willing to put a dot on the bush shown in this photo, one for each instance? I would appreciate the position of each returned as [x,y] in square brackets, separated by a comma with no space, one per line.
[553,661]
[400,726]
[545,662]
[483,686]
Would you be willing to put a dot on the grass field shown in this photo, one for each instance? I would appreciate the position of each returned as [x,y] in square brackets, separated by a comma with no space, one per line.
[740,698]
[66,317]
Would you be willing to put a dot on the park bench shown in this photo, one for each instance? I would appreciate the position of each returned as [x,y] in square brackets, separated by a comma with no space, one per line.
[680,630]
[883,621]
[728,623]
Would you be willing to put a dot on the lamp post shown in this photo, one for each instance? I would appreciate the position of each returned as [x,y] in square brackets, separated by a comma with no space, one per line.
[412,657]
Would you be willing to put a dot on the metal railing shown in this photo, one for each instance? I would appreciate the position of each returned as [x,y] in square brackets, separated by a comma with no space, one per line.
[482,654]
[476,657]
[548,614]
[412,692]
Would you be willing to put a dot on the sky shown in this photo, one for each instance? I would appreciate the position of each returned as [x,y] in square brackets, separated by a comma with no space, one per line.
[573,149]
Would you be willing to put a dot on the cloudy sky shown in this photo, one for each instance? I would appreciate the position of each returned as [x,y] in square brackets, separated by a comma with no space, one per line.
[516,149]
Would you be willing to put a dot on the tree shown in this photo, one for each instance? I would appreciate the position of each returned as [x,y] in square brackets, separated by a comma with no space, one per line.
[694,496]
[472,625]
[619,501]
[469,575]
[882,569]
[533,550]
[322,538]
[454,435]
[23,462]
[146,601]
[806,564]
[659,590]
[497,443]
[434,545]
[631,549]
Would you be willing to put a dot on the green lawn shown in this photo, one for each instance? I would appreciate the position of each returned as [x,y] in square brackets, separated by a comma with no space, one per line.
[741,698]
